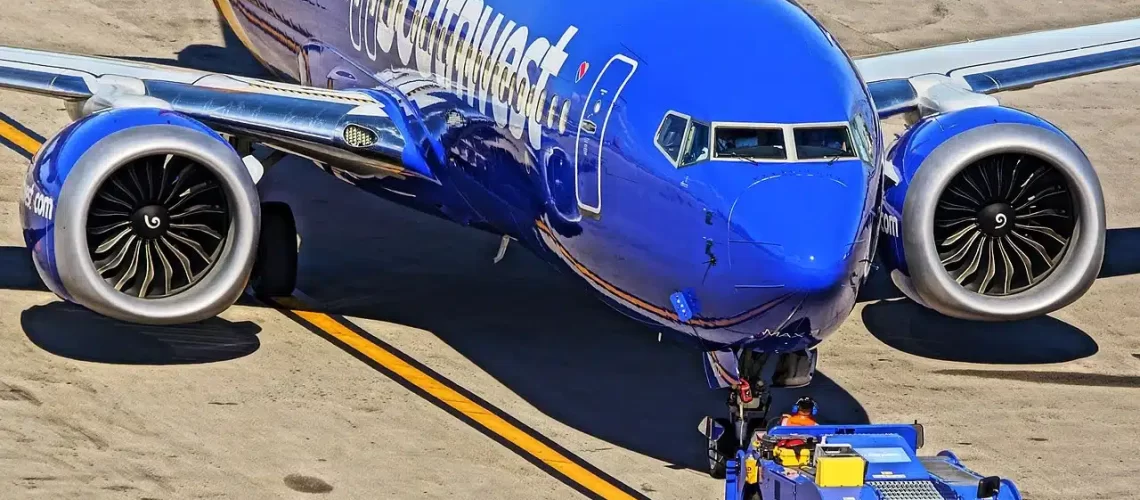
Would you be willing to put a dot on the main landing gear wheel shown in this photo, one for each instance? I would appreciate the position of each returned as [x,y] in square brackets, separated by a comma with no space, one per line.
[275,271]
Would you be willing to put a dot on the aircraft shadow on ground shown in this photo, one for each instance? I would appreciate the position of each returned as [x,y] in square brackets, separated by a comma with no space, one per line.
[71,331]
[74,332]
[911,328]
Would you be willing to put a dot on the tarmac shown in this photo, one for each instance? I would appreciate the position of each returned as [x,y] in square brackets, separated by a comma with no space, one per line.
[268,402]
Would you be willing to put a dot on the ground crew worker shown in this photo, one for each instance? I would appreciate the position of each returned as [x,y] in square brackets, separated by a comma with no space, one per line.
[804,413]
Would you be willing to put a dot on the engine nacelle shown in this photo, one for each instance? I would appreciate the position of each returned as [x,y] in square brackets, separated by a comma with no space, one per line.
[142,214]
[999,215]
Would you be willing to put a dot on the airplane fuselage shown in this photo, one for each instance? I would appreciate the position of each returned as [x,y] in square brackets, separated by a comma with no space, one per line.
[592,133]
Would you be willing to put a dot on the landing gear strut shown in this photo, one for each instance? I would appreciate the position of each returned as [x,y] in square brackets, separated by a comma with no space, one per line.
[750,400]
[748,405]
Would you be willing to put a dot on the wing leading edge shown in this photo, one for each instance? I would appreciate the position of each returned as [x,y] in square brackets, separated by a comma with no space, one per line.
[964,74]
[372,132]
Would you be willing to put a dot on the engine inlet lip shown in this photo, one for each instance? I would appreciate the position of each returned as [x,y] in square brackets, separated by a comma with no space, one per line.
[1081,261]
[219,288]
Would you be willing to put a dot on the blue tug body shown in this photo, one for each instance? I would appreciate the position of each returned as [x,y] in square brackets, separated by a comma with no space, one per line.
[854,462]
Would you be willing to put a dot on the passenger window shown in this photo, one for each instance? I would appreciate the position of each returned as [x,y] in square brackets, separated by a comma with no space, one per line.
[697,144]
[522,95]
[538,103]
[493,82]
[444,37]
[509,89]
[552,111]
[502,81]
[670,135]
[562,121]
[750,142]
[488,75]
[424,26]
[823,142]
[425,32]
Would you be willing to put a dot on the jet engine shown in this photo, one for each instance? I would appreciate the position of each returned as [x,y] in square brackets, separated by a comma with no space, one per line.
[998,215]
[143,215]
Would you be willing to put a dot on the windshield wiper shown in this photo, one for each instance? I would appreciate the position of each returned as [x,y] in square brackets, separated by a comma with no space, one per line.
[734,154]
[839,153]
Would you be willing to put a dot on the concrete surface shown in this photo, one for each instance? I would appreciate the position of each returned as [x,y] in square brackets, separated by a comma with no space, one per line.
[253,406]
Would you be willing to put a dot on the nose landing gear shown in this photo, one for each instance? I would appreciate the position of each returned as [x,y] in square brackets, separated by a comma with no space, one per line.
[748,412]
[749,402]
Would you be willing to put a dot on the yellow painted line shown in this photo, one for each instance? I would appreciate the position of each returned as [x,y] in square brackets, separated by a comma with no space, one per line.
[461,403]
[19,138]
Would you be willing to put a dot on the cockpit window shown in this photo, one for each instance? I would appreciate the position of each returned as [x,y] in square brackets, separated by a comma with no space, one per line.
[696,144]
[863,141]
[750,142]
[671,135]
[813,143]
[686,141]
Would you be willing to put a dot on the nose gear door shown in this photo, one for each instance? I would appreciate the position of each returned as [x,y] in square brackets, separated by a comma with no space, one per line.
[592,131]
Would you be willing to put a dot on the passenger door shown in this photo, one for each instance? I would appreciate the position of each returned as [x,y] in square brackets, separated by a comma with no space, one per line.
[598,108]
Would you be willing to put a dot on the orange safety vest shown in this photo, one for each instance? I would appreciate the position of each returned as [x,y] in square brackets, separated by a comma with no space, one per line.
[797,419]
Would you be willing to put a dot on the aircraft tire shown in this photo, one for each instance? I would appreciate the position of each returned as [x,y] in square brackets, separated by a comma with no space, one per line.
[275,270]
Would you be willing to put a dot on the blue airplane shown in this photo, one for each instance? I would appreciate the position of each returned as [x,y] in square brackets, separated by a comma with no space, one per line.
[717,169]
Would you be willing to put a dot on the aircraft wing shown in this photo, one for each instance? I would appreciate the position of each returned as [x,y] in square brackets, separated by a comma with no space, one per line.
[372,132]
[964,74]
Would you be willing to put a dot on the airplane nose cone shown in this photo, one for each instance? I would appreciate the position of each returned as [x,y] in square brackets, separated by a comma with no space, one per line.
[795,232]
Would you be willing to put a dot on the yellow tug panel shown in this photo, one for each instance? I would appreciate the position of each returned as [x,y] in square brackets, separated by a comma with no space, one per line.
[839,471]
